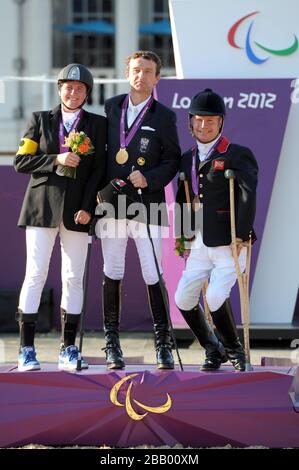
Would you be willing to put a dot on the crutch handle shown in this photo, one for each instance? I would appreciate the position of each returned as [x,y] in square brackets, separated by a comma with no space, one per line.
[229,174]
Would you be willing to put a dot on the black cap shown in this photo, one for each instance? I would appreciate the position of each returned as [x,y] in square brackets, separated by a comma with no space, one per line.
[76,72]
[207,103]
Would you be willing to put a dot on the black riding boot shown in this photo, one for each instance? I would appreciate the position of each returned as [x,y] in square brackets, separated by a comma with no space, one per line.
[161,327]
[111,317]
[27,324]
[226,328]
[215,352]
[69,325]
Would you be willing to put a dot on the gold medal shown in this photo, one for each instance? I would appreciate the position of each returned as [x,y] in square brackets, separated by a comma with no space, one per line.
[141,161]
[122,156]
[196,204]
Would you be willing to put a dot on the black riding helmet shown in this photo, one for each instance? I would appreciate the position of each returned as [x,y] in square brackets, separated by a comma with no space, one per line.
[207,103]
[76,72]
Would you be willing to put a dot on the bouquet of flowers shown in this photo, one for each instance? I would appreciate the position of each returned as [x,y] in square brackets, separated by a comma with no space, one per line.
[78,143]
[183,246]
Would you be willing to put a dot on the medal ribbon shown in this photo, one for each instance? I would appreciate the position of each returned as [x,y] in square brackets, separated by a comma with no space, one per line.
[61,131]
[125,140]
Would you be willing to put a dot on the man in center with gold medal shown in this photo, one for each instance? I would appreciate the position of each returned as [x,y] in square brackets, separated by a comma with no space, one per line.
[143,150]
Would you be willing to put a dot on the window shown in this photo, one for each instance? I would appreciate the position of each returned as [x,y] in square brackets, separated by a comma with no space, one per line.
[92,49]
[159,43]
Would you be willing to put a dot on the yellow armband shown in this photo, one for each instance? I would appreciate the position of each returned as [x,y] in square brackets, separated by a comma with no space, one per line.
[27,146]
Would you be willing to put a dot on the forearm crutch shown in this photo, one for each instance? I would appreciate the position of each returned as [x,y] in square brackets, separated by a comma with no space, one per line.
[208,316]
[243,278]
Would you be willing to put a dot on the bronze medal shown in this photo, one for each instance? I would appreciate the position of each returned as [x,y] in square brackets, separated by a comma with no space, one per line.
[141,161]
[196,204]
[122,156]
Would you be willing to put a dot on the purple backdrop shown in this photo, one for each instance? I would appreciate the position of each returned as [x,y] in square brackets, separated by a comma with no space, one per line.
[256,125]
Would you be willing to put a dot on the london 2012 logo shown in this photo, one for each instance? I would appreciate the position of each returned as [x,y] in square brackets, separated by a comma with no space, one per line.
[251,54]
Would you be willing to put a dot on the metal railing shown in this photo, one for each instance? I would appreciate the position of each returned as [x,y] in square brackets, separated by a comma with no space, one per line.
[105,86]
[44,96]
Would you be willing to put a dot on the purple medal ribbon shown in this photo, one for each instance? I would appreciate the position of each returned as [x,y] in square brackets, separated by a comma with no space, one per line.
[194,172]
[61,131]
[125,140]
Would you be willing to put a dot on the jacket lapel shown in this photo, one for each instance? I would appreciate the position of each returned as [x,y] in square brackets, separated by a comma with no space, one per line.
[150,114]
[54,120]
[83,121]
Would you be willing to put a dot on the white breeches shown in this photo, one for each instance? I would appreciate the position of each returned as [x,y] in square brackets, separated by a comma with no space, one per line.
[215,264]
[114,234]
[39,244]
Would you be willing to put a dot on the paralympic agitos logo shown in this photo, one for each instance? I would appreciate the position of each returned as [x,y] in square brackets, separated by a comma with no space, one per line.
[252,56]
[132,413]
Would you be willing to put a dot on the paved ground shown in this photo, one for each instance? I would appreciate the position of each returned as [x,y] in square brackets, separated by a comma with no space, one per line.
[133,345]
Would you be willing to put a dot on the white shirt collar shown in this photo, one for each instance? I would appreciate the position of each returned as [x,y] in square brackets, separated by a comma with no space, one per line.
[133,111]
[69,117]
[138,107]
[203,149]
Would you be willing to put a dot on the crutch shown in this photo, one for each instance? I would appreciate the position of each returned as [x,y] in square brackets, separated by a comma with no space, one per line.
[85,288]
[182,177]
[243,279]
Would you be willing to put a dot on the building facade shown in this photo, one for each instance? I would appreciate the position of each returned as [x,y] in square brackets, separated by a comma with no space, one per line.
[45,35]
